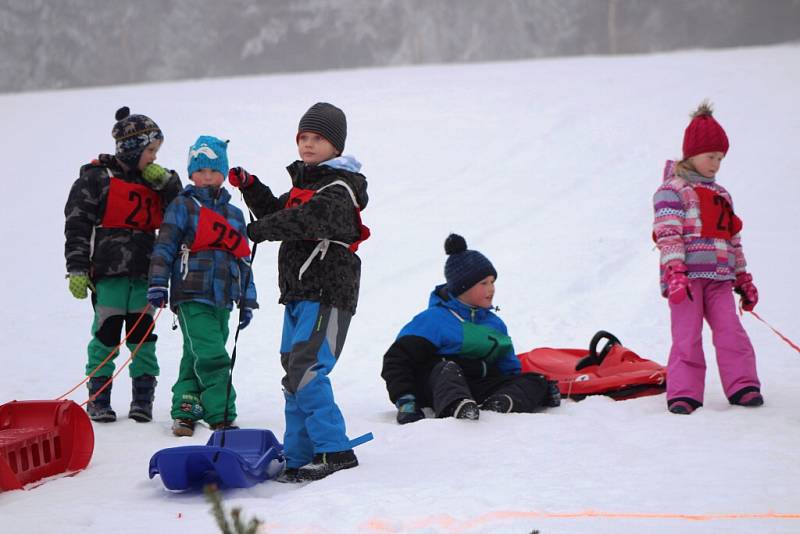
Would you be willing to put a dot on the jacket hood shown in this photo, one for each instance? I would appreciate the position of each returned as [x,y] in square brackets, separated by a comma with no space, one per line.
[441,297]
[207,195]
[670,168]
[113,164]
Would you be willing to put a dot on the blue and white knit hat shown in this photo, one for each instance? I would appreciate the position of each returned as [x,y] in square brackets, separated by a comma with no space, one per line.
[209,152]
[132,134]
[464,268]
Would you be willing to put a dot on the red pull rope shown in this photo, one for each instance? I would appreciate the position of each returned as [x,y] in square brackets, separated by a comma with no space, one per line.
[786,339]
[114,350]
[126,362]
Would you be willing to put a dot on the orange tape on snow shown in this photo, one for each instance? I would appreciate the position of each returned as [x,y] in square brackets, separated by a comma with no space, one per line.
[451,524]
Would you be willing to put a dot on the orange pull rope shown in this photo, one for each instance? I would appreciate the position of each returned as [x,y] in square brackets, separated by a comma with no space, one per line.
[786,339]
[126,362]
[110,354]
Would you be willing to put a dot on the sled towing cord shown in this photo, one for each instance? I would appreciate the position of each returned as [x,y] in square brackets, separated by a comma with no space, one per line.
[113,351]
[786,339]
[242,300]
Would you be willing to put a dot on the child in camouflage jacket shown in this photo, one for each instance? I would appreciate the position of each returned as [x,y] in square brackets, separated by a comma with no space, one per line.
[319,226]
[112,214]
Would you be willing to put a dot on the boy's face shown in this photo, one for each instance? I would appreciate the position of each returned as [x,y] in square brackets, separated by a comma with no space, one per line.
[480,295]
[314,149]
[207,178]
[707,164]
[149,154]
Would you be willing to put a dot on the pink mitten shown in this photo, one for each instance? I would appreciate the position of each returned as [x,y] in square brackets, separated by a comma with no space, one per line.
[677,282]
[746,289]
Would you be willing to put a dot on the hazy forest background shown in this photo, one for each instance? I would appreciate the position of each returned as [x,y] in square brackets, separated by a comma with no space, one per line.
[51,44]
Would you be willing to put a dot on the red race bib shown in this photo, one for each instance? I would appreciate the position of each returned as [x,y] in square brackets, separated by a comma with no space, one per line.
[214,232]
[299,196]
[716,214]
[132,206]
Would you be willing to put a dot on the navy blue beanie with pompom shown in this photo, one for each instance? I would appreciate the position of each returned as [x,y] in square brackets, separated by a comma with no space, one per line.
[464,268]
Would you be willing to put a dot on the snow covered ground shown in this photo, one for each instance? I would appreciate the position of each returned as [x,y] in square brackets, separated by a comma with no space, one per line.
[548,167]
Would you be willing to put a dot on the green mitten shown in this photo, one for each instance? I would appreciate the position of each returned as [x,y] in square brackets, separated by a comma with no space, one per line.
[78,284]
[156,175]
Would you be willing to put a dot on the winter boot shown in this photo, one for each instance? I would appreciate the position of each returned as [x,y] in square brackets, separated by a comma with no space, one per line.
[326,463]
[142,393]
[748,396]
[681,408]
[466,409]
[407,410]
[500,403]
[288,476]
[751,399]
[222,425]
[183,427]
[99,409]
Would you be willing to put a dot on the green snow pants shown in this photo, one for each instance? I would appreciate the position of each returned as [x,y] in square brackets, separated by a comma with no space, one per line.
[117,301]
[199,392]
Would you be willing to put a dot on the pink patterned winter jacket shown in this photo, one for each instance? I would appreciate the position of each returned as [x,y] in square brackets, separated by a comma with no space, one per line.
[695,223]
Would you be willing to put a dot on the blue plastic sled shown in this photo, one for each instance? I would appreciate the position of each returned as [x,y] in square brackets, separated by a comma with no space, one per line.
[250,456]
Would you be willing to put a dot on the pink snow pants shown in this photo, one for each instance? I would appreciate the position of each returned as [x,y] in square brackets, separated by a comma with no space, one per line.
[736,359]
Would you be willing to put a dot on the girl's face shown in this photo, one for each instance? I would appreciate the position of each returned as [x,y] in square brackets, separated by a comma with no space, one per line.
[707,164]
[314,149]
[149,154]
[207,178]
[480,295]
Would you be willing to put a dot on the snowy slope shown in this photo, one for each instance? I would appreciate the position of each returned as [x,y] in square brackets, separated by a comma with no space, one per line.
[548,167]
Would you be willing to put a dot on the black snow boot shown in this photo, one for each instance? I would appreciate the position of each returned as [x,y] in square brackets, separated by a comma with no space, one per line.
[499,402]
[466,409]
[99,409]
[142,393]
[326,463]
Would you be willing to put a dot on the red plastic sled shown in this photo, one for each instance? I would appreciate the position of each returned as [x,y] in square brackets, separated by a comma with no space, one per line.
[615,371]
[40,439]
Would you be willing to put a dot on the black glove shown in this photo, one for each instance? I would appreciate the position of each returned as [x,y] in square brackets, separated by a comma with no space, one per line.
[252,232]
[553,396]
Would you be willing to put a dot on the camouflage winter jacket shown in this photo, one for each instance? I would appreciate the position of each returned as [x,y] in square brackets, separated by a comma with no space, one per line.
[113,242]
[305,272]
[211,274]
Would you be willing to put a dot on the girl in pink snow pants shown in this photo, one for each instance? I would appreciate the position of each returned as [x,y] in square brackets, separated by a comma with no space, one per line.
[702,263]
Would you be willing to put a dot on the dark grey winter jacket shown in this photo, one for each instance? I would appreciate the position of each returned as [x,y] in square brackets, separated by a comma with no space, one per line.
[330,214]
[97,250]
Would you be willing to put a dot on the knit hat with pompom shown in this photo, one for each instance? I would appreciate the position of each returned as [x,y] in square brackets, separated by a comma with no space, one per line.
[132,134]
[704,133]
[464,268]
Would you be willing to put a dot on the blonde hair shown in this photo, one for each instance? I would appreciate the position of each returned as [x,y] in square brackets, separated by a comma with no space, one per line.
[684,166]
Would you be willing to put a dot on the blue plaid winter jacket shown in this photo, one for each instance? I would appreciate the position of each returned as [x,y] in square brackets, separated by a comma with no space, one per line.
[213,277]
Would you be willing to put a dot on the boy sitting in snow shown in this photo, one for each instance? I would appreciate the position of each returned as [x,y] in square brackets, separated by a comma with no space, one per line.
[456,356]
